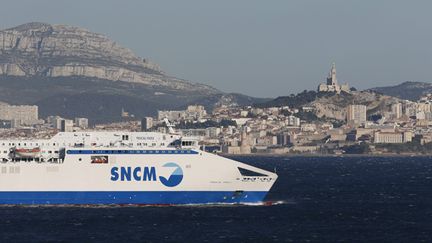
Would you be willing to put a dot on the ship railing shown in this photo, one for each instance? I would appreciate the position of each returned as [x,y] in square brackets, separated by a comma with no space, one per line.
[32,160]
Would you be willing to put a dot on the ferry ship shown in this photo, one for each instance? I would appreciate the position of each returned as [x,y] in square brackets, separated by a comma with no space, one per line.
[124,168]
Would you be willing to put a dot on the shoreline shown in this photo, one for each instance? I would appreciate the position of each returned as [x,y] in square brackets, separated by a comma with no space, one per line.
[323,155]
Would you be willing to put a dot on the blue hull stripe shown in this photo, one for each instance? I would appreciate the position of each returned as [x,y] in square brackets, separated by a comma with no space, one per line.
[160,197]
[151,152]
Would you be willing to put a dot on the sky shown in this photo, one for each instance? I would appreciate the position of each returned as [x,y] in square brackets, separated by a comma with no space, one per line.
[259,48]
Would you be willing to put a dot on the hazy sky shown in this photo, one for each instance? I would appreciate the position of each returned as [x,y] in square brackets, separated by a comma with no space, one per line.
[259,48]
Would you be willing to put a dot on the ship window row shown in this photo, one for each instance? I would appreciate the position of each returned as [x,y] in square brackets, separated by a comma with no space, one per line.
[139,144]
[27,144]
[131,152]
[50,152]
[76,144]
[32,159]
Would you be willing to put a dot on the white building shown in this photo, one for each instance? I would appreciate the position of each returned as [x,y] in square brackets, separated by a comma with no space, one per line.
[66,125]
[392,137]
[146,123]
[24,114]
[81,122]
[196,111]
[293,121]
[55,121]
[171,115]
[193,112]
[356,114]
[397,110]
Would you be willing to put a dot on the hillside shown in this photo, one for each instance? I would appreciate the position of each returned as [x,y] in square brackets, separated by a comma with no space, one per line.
[70,71]
[332,105]
[407,90]
[335,106]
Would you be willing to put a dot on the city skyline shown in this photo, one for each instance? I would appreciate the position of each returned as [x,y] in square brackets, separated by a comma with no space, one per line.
[256,48]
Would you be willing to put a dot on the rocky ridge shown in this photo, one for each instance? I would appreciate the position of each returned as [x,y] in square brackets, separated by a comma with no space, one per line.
[72,72]
[409,90]
[39,49]
[334,107]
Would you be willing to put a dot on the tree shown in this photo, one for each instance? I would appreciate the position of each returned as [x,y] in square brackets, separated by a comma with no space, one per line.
[362,148]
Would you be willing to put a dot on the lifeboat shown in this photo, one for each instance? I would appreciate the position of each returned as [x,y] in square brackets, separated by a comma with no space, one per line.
[27,152]
[99,160]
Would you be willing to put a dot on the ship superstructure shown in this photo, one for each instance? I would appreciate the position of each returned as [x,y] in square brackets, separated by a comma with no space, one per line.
[124,168]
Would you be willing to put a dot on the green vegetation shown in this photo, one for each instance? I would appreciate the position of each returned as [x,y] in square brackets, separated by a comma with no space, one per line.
[337,123]
[295,101]
[307,116]
[362,148]
[396,148]
[374,117]
[411,147]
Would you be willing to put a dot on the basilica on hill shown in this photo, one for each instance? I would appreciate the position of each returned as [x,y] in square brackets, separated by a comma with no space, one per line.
[332,83]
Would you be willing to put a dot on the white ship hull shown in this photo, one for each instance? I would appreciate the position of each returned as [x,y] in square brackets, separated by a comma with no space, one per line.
[133,176]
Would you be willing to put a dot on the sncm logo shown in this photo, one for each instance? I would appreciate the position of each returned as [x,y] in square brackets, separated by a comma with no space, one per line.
[175,178]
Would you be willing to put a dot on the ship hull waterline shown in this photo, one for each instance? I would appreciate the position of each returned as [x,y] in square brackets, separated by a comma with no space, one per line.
[141,198]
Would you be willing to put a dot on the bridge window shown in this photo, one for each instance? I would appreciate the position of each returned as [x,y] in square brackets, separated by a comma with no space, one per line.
[246,172]
[187,143]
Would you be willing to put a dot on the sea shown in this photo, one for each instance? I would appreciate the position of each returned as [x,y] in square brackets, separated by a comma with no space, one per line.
[315,199]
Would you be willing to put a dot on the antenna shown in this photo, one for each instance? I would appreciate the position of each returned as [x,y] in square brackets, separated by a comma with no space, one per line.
[169,125]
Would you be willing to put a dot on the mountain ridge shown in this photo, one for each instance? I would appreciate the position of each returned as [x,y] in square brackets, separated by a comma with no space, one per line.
[408,90]
[40,49]
[70,71]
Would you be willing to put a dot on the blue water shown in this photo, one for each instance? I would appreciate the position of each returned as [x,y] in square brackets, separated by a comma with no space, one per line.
[315,199]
